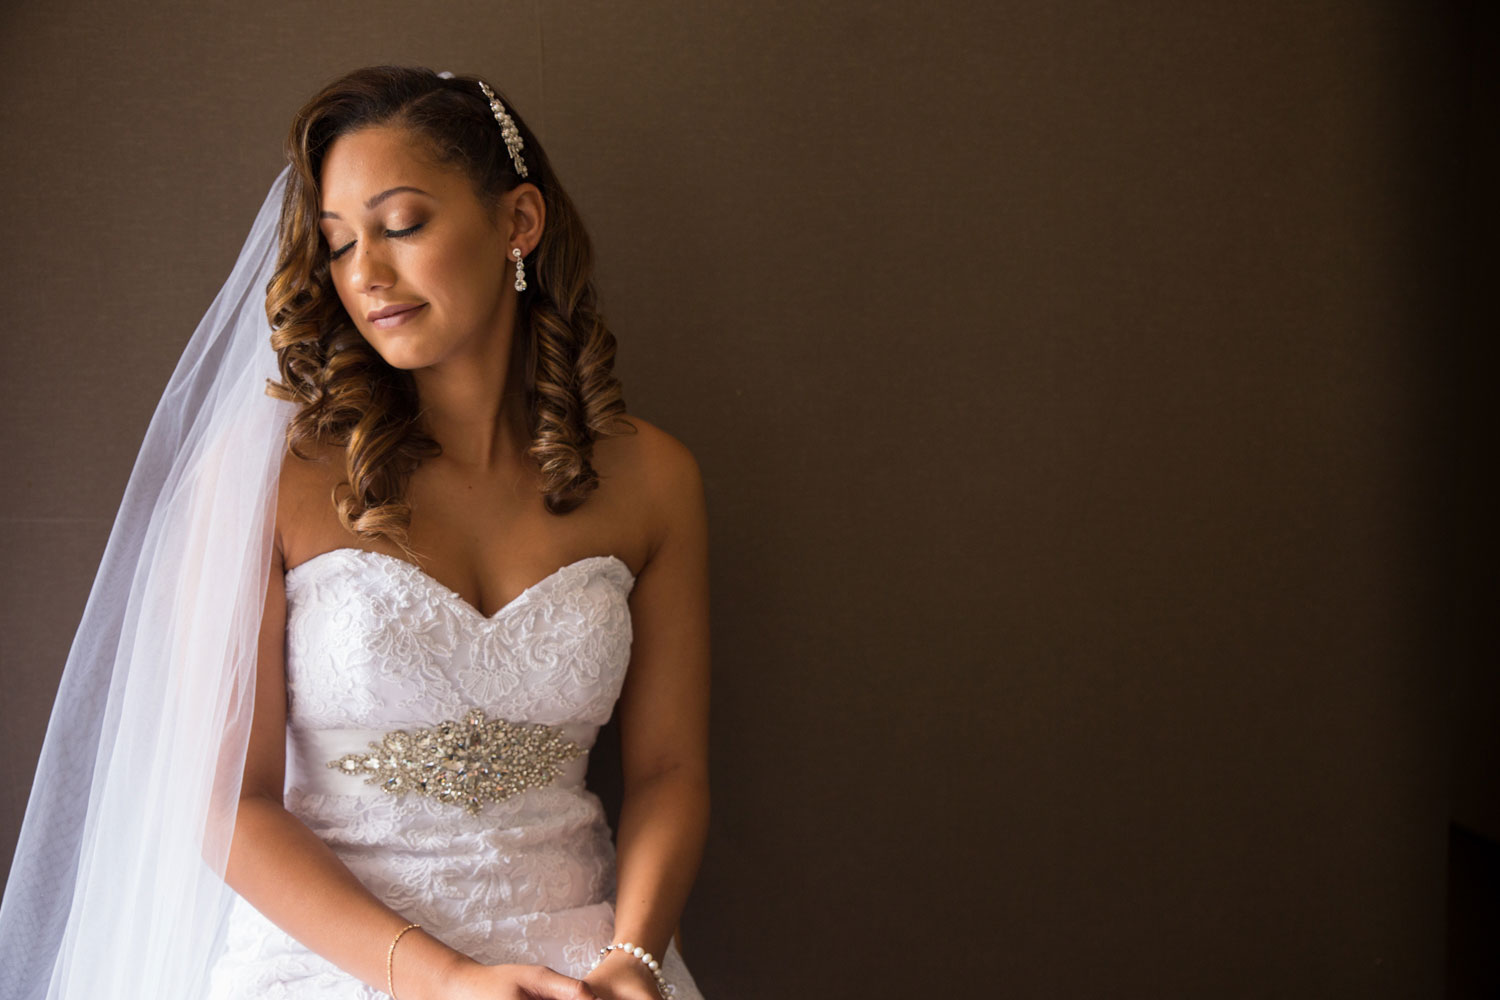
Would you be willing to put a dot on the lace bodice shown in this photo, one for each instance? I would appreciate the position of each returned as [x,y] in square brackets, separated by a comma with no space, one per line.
[407,650]
[376,645]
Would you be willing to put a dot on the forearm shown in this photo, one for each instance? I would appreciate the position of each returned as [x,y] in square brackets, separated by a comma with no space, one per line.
[287,873]
[663,825]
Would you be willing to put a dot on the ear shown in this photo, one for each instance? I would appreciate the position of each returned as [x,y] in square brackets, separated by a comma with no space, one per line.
[523,214]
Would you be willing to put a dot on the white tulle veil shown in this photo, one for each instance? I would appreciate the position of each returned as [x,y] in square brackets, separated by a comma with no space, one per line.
[116,889]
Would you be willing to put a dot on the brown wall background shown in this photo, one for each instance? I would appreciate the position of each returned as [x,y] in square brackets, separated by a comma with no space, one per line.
[1080,392]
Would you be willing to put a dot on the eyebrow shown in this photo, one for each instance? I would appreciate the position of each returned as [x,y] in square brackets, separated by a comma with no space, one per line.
[382,196]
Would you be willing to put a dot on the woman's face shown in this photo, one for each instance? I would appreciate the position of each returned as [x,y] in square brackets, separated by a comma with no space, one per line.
[404,232]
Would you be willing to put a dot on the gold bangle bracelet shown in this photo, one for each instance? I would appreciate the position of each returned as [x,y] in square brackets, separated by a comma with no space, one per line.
[390,956]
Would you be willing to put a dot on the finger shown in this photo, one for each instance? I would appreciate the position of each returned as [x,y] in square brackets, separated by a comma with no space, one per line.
[552,985]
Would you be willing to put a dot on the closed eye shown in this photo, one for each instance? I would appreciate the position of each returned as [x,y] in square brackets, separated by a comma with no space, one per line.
[336,254]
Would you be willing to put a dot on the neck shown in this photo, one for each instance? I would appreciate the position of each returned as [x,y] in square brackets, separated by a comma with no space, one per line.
[475,407]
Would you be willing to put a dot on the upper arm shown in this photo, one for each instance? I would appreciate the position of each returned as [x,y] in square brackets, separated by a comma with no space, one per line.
[664,704]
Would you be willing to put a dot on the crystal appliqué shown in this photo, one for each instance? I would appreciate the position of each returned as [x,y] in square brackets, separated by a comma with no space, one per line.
[466,761]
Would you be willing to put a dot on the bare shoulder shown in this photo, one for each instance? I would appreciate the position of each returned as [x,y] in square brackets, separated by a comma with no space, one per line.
[303,504]
[659,471]
[652,458]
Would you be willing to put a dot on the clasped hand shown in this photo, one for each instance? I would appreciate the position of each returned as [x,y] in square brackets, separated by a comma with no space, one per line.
[618,977]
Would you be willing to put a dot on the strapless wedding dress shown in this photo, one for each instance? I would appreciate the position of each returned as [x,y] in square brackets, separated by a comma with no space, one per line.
[482,725]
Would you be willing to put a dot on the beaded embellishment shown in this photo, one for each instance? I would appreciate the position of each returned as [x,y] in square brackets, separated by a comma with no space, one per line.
[466,761]
[508,130]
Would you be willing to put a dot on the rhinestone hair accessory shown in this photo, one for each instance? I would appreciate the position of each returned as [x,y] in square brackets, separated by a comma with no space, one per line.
[508,128]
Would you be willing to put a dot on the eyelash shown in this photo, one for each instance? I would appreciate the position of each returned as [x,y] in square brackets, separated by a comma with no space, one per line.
[336,254]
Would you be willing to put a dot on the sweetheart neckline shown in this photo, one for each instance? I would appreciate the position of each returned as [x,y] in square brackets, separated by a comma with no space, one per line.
[454,595]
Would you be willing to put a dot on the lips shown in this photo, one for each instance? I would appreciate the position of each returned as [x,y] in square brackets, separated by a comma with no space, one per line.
[400,307]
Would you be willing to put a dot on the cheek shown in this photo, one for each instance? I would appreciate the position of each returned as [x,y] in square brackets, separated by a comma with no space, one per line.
[345,299]
[346,296]
[341,287]
[463,278]
[461,261]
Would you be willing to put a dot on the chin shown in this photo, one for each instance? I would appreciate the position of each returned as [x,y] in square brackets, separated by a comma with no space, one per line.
[406,353]
[408,360]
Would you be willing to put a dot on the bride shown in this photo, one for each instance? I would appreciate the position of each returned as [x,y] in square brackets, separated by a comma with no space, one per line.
[418,592]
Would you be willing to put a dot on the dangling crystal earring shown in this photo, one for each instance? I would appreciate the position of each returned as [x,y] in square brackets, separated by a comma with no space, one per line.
[520,269]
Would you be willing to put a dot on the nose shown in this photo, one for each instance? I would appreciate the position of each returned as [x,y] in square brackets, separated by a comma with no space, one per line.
[370,270]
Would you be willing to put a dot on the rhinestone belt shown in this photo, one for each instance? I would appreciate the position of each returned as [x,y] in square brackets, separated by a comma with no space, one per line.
[467,761]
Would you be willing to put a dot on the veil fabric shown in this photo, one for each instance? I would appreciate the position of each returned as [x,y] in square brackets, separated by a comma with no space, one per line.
[116,889]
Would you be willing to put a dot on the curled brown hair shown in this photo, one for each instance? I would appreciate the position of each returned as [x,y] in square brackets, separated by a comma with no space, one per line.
[349,395]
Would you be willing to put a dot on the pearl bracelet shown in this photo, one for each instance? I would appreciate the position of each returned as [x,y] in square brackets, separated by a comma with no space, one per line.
[664,988]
